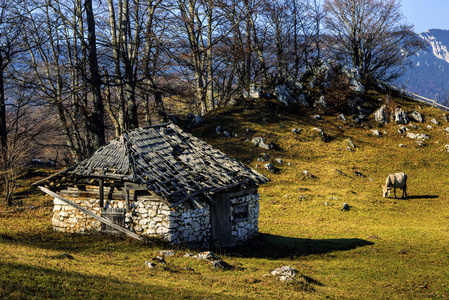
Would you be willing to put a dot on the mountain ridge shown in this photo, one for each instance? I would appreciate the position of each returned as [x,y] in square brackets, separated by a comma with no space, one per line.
[429,74]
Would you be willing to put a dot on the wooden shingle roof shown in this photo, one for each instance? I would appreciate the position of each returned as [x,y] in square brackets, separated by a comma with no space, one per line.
[168,161]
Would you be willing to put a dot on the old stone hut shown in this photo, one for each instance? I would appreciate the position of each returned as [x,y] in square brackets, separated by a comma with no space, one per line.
[159,181]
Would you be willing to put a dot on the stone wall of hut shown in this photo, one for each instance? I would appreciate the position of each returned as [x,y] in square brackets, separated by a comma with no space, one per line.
[148,216]
[245,227]
[188,225]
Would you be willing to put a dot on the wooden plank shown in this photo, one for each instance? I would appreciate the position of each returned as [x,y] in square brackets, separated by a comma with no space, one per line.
[101,187]
[95,216]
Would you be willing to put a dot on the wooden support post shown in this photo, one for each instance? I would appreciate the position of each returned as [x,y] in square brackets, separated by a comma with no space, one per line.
[101,187]
[127,199]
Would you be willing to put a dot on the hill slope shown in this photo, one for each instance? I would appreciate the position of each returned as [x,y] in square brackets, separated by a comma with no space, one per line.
[381,248]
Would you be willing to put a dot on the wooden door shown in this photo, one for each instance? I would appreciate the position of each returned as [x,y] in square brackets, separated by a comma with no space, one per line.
[116,215]
[221,221]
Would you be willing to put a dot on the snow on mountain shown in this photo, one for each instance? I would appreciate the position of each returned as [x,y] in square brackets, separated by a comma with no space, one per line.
[429,76]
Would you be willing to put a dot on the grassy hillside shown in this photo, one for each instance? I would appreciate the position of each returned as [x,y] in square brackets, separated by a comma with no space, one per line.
[382,248]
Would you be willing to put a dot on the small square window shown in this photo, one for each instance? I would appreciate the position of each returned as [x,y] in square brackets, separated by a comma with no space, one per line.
[241,212]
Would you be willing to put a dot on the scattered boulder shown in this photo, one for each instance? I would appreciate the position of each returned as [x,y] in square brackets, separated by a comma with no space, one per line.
[357,86]
[342,117]
[402,130]
[308,175]
[346,206]
[254,92]
[194,120]
[351,144]
[400,116]
[446,148]
[416,116]
[445,118]
[167,253]
[298,130]
[321,103]
[219,130]
[271,168]
[260,142]
[285,273]
[417,136]
[447,129]
[375,132]
[323,136]
[150,265]
[279,161]
[264,158]
[429,127]
[381,115]
[359,174]
[434,121]
[217,262]
[159,260]
[402,145]
[283,95]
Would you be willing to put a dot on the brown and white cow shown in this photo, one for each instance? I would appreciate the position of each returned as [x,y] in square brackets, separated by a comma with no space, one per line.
[394,181]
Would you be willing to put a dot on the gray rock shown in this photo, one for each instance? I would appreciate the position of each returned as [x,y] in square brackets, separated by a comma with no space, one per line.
[416,116]
[351,143]
[402,145]
[342,117]
[260,142]
[447,129]
[321,103]
[381,115]
[254,92]
[446,148]
[270,168]
[434,121]
[150,265]
[167,253]
[375,132]
[284,271]
[298,130]
[402,130]
[417,136]
[279,161]
[400,116]
[357,86]
[283,95]
[345,206]
[445,118]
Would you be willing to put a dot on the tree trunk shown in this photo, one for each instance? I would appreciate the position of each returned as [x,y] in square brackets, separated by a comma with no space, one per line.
[96,125]
[3,129]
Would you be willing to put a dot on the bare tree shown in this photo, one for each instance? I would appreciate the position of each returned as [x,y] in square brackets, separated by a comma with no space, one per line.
[12,25]
[371,35]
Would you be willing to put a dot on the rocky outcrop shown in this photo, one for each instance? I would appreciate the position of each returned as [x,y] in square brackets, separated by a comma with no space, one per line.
[381,115]
[400,116]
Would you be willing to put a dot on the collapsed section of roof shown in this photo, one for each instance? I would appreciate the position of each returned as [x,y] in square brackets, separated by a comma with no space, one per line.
[168,161]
